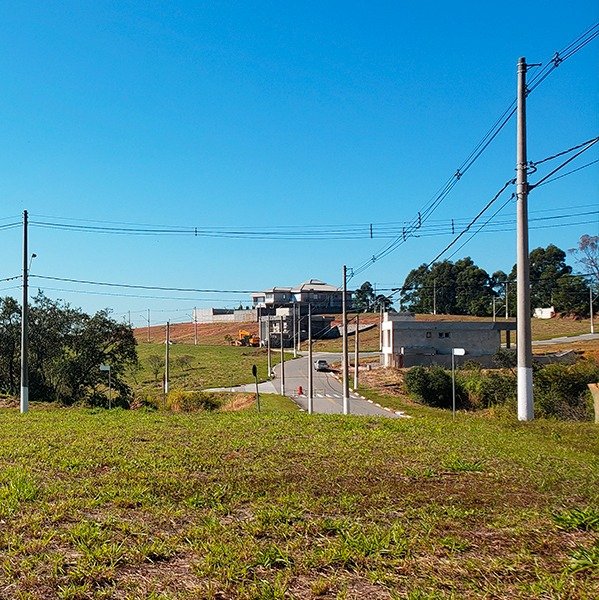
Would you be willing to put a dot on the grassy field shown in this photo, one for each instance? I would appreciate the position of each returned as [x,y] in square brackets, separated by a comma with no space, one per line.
[205,366]
[137,504]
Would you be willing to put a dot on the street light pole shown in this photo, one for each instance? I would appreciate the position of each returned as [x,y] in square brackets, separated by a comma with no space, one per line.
[24,403]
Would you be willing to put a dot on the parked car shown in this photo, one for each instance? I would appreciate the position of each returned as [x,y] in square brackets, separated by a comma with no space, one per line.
[321,364]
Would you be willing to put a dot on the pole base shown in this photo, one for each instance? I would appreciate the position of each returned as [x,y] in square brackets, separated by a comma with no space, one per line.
[525,398]
[24,399]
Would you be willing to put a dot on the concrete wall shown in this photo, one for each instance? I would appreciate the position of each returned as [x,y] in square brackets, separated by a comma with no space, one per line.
[225,315]
[410,343]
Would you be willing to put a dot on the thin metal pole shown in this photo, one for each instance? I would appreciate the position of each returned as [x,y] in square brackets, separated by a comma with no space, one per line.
[24,325]
[195,325]
[167,356]
[452,383]
[434,296]
[494,319]
[346,407]
[524,338]
[591,305]
[310,365]
[109,388]
[148,324]
[282,360]
[357,352]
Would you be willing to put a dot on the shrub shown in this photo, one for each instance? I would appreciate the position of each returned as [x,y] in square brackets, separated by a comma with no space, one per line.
[484,389]
[432,385]
[561,391]
[182,401]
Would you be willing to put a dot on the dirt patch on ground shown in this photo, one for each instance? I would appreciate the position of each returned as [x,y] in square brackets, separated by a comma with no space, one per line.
[239,402]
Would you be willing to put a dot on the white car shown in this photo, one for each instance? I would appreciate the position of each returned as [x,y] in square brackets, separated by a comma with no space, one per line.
[321,364]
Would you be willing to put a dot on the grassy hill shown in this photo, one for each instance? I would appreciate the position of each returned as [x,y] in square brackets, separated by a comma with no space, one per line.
[214,333]
[135,504]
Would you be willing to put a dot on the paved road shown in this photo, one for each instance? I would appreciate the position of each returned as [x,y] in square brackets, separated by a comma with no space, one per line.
[585,337]
[328,391]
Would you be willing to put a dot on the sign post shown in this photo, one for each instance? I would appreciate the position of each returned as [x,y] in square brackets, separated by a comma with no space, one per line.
[255,374]
[104,367]
[454,352]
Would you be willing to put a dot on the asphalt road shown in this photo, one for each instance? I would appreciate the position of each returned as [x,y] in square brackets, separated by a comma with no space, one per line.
[328,391]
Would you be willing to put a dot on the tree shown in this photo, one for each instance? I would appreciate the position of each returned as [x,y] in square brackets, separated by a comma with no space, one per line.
[586,255]
[10,345]
[364,297]
[184,361]
[571,296]
[66,349]
[382,302]
[448,288]
[155,363]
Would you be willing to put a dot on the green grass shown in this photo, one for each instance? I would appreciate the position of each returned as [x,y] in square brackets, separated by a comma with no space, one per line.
[209,366]
[146,504]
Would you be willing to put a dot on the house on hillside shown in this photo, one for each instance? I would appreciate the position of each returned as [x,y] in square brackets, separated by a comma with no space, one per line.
[322,297]
[407,343]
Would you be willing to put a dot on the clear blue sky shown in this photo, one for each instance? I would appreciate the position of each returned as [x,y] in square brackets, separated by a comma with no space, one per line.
[271,114]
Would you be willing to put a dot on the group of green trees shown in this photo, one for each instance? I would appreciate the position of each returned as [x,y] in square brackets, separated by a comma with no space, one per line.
[464,288]
[367,300]
[66,349]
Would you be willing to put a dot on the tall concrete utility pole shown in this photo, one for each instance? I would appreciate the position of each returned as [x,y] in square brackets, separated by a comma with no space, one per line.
[434,296]
[294,334]
[345,355]
[282,359]
[356,352]
[195,325]
[268,347]
[524,337]
[507,316]
[310,365]
[167,357]
[381,329]
[24,324]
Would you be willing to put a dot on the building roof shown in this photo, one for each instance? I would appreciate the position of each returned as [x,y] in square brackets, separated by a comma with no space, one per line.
[315,285]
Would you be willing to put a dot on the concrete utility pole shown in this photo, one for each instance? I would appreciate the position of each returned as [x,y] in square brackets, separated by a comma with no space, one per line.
[24,324]
[167,357]
[282,359]
[148,324]
[494,319]
[268,347]
[294,334]
[345,355]
[381,329]
[524,337]
[507,316]
[434,296]
[356,352]
[310,365]
[195,325]
[299,328]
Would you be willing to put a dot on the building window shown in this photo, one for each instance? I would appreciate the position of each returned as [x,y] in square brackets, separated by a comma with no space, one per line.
[440,334]
[428,334]
[447,334]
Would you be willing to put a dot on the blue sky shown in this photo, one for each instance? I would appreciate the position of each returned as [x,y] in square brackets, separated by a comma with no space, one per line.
[272,114]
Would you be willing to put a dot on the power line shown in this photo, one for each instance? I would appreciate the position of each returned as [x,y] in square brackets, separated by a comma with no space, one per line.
[575,46]
[142,287]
